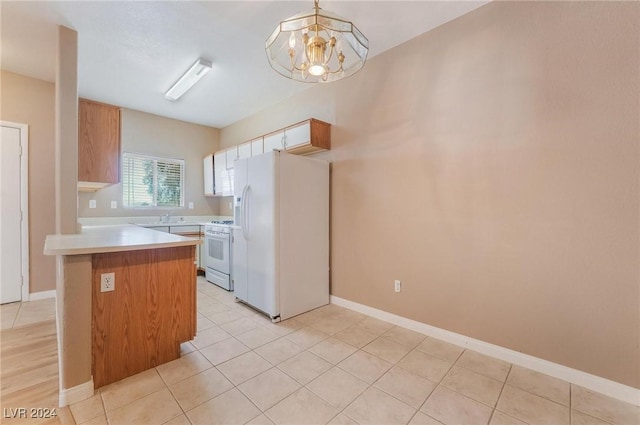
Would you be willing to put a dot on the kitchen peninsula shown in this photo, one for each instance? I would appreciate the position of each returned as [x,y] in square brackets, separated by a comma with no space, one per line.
[127,302]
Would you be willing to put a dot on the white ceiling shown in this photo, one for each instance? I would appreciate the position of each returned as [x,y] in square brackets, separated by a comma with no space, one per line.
[130,52]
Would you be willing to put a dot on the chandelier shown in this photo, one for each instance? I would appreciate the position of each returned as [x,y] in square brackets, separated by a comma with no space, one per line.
[316,47]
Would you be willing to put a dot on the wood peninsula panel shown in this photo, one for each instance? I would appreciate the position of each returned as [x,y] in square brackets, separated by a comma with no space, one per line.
[98,142]
[152,310]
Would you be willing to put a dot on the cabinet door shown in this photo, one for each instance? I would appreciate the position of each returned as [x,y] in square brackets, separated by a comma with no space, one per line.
[244,150]
[199,251]
[207,170]
[308,137]
[273,141]
[98,142]
[164,229]
[257,147]
[219,172]
[186,230]
[298,135]
[232,155]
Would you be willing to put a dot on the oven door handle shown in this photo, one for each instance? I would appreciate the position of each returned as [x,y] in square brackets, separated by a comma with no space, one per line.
[243,212]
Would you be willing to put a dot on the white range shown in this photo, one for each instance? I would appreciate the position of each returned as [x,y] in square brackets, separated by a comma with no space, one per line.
[217,253]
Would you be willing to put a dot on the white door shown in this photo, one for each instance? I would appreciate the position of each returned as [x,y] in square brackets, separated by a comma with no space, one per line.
[220,177]
[239,242]
[208,175]
[273,141]
[257,147]
[239,264]
[10,219]
[298,135]
[262,230]
[244,150]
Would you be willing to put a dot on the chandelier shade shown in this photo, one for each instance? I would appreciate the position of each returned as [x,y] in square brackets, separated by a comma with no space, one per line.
[316,47]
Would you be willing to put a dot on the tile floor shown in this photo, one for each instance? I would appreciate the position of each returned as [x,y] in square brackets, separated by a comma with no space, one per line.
[336,366]
[14,315]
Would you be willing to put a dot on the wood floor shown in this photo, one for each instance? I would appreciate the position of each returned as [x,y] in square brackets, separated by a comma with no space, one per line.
[29,375]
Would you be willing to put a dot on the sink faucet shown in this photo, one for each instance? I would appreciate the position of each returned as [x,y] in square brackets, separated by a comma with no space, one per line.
[165,218]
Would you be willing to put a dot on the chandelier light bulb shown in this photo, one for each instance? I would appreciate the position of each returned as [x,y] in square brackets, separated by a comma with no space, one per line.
[292,40]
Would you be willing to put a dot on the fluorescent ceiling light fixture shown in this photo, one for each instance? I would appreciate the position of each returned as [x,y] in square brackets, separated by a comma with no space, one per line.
[192,76]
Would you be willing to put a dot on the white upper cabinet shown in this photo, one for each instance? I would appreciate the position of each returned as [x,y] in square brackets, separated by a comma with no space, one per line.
[223,180]
[257,147]
[274,141]
[308,137]
[303,138]
[298,135]
[232,155]
[244,150]
[208,175]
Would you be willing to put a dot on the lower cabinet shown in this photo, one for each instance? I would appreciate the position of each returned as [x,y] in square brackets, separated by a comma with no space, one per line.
[190,231]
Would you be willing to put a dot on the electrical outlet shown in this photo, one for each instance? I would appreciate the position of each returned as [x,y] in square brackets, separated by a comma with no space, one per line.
[92,203]
[114,204]
[190,205]
[397,285]
[107,282]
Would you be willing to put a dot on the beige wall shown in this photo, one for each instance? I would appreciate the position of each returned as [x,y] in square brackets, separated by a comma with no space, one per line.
[30,101]
[156,135]
[492,165]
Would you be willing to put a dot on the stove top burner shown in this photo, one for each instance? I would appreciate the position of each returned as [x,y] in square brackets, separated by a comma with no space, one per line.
[222,221]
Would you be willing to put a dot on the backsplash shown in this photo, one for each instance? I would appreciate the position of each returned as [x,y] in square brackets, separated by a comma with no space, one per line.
[196,219]
[226,206]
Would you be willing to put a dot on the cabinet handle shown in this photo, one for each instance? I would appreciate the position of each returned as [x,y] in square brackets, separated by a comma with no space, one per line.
[284,139]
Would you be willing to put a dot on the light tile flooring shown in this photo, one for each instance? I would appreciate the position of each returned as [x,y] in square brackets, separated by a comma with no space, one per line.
[14,315]
[336,366]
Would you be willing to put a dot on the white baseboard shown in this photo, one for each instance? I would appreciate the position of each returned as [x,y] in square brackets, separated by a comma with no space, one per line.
[75,394]
[34,296]
[592,382]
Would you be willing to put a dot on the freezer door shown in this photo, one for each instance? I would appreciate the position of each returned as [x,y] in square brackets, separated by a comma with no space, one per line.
[262,230]
[239,265]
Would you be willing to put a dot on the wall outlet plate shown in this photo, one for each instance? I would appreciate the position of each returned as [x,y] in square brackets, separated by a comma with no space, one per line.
[190,205]
[92,203]
[397,285]
[107,282]
[114,204]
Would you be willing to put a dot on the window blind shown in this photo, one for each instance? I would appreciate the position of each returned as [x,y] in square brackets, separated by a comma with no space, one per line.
[149,181]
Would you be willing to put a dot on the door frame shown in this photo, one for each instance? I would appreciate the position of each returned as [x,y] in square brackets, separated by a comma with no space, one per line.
[24,202]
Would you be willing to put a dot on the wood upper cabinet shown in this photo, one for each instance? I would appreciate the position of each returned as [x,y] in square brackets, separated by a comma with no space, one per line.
[98,144]
[303,138]
[307,137]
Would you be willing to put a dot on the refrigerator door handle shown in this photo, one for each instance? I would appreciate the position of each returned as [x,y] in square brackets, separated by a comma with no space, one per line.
[243,212]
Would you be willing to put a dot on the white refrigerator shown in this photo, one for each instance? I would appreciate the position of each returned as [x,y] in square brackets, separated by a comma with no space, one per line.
[280,237]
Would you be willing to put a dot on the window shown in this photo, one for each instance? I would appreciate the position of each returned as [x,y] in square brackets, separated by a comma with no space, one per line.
[149,181]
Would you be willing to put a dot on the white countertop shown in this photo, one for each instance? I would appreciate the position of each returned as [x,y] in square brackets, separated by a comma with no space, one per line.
[154,220]
[113,238]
